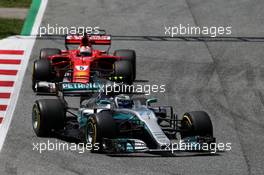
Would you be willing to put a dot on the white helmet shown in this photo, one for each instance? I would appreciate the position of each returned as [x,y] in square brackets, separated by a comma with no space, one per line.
[85,51]
[123,101]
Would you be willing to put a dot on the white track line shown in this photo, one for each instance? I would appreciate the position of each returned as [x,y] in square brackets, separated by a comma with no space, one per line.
[7,77]
[6,89]
[4,101]
[9,66]
[14,97]
[11,57]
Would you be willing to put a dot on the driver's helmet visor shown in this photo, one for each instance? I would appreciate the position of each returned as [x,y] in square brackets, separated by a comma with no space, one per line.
[85,51]
[124,103]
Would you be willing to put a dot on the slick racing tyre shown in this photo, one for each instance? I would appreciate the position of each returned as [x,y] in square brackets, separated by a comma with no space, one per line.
[99,126]
[196,123]
[42,71]
[46,52]
[124,70]
[129,55]
[48,115]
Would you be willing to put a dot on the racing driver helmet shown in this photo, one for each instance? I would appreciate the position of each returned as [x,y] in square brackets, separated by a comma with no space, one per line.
[123,101]
[85,51]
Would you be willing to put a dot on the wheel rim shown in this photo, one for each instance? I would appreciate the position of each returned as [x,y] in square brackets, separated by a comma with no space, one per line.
[186,126]
[187,121]
[35,117]
[91,133]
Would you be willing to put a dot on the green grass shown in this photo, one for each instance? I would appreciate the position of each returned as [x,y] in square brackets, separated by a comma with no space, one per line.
[15,3]
[10,27]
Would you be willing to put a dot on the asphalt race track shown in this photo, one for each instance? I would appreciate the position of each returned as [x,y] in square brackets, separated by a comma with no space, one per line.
[226,79]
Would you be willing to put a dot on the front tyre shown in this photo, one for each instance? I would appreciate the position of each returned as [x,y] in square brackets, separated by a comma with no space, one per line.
[42,71]
[196,123]
[100,126]
[129,55]
[46,52]
[47,115]
[124,71]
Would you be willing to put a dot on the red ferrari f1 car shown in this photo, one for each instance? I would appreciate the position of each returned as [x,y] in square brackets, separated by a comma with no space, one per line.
[81,64]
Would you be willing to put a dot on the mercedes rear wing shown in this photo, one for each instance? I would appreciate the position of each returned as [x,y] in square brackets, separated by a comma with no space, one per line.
[107,88]
[101,86]
[78,89]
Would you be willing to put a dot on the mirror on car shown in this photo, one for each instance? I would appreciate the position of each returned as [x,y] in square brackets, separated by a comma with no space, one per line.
[104,102]
[151,100]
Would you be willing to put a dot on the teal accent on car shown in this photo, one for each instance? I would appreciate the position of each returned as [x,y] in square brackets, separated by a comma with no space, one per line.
[81,86]
[122,116]
[125,144]
[103,102]
[82,120]
[130,147]
[130,117]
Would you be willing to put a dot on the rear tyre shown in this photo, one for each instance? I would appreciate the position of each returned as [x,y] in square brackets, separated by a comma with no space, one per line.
[99,126]
[129,55]
[48,115]
[42,71]
[196,123]
[46,52]
[124,70]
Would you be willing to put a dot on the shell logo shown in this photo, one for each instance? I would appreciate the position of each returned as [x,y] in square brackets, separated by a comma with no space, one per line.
[81,74]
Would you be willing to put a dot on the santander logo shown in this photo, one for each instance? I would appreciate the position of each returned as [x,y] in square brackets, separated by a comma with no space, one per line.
[81,68]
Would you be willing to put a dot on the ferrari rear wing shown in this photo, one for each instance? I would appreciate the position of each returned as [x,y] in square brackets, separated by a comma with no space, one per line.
[92,39]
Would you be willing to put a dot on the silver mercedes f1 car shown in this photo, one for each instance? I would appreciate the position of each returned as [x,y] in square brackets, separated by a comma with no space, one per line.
[124,123]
